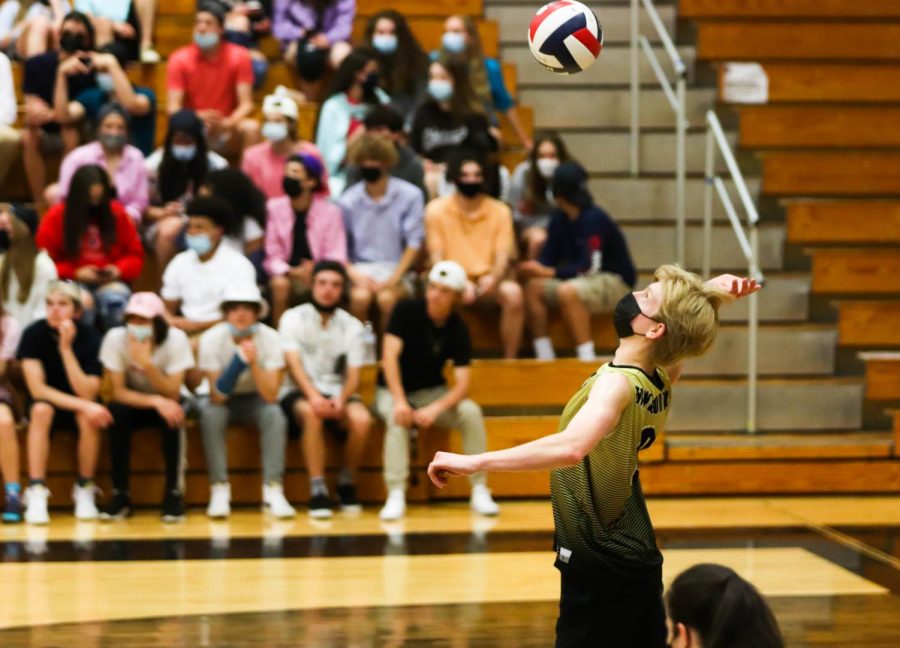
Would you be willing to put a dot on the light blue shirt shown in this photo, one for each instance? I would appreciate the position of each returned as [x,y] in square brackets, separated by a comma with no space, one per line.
[381,230]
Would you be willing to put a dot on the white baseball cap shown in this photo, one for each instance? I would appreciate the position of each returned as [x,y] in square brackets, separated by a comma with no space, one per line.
[281,105]
[242,293]
[449,274]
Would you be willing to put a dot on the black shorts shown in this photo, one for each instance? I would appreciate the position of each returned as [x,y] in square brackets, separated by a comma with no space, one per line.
[295,431]
[620,613]
[63,420]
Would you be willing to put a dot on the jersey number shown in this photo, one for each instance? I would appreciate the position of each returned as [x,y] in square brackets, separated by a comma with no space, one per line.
[648,436]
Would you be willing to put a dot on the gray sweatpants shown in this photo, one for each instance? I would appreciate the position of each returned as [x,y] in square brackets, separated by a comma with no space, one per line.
[465,417]
[244,409]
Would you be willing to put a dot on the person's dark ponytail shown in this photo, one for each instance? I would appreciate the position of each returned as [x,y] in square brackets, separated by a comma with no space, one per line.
[724,609]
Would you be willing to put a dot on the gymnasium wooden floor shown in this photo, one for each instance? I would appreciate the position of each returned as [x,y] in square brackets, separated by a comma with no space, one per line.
[830,566]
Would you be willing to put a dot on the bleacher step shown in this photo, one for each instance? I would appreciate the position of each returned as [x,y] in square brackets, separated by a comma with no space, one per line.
[742,447]
[592,107]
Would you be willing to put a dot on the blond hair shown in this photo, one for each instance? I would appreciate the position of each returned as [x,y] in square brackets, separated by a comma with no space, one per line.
[373,149]
[690,311]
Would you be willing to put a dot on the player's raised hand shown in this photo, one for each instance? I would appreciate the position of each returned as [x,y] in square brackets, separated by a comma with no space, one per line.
[447,464]
[735,286]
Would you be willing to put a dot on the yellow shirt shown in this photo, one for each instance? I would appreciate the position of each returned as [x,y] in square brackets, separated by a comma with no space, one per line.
[472,240]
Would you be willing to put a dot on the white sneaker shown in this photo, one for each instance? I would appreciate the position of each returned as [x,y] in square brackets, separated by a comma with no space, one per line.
[219,501]
[482,502]
[150,55]
[275,503]
[395,506]
[36,505]
[85,506]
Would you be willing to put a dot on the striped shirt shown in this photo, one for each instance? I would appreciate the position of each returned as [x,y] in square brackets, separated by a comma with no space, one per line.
[599,509]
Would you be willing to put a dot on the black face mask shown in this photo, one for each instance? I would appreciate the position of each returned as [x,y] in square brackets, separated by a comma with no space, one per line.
[4,240]
[469,189]
[71,42]
[370,174]
[626,310]
[370,82]
[325,310]
[95,211]
[292,187]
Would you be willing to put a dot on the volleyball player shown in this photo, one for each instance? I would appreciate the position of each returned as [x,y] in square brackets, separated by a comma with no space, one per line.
[605,545]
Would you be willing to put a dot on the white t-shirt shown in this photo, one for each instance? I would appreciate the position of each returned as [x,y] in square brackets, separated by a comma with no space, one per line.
[200,286]
[217,348]
[214,162]
[326,351]
[252,232]
[34,307]
[172,356]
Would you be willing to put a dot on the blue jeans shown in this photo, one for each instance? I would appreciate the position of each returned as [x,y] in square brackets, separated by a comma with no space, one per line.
[109,305]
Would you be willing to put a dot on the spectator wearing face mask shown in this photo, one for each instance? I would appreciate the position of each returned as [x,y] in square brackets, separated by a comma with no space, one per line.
[264,162]
[146,362]
[529,193]
[476,231]
[243,360]
[116,24]
[450,119]
[302,227]
[114,86]
[43,132]
[354,91]
[385,122]
[175,173]
[111,151]
[401,60]
[214,78]
[384,220]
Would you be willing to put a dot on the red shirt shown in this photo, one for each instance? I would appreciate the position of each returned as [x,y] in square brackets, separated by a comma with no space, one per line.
[209,83]
[126,253]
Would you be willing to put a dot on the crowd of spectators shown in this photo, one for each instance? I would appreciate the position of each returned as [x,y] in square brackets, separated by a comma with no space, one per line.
[280,260]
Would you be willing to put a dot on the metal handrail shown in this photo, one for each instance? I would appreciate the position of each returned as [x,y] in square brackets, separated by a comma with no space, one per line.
[676,98]
[716,141]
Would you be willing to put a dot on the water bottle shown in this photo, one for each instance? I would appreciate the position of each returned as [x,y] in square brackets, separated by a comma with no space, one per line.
[370,355]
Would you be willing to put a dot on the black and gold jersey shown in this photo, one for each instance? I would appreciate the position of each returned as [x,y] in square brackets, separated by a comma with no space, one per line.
[599,509]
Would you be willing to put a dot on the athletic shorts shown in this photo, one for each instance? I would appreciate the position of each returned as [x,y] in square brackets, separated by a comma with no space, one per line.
[599,292]
[295,431]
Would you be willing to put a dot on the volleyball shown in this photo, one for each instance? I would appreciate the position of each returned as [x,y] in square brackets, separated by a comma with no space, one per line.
[565,37]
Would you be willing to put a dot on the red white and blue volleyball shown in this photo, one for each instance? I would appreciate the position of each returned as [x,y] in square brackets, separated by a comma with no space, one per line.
[565,37]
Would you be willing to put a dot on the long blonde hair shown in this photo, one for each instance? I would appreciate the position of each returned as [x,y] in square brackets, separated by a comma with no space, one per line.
[690,311]
[19,259]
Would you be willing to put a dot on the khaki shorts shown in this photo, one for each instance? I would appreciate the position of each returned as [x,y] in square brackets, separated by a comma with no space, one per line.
[600,292]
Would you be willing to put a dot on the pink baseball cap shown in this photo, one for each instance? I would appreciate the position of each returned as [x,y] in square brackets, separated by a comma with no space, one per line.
[145,304]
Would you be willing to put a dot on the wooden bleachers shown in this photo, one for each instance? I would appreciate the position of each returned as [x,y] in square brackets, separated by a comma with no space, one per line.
[856,271]
[843,222]
[786,40]
[831,82]
[882,375]
[869,324]
[832,173]
[818,9]
[816,126]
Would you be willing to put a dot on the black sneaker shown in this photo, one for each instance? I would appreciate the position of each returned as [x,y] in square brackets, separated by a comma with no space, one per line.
[320,507]
[173,507]
[347,497]
[12,512]
[119,507]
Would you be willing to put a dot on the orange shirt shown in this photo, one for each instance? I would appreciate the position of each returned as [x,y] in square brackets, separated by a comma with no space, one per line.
[472,240]
[209,83]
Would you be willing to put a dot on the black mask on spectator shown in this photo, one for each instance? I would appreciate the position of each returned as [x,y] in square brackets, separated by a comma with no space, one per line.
[4,240]
[71,42]
[292,187]
[370,174]
[469,189]
[95,211]
[370,82]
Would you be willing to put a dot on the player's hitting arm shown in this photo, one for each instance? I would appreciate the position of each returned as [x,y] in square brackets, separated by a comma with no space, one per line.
[730,287]
[609,397]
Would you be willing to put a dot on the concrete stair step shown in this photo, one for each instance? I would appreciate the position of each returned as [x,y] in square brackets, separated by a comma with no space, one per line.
[514,20]
[649,198]
[784,404]
[605,152]
[586,107]
[653,245]
[783,350]
[613,68]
